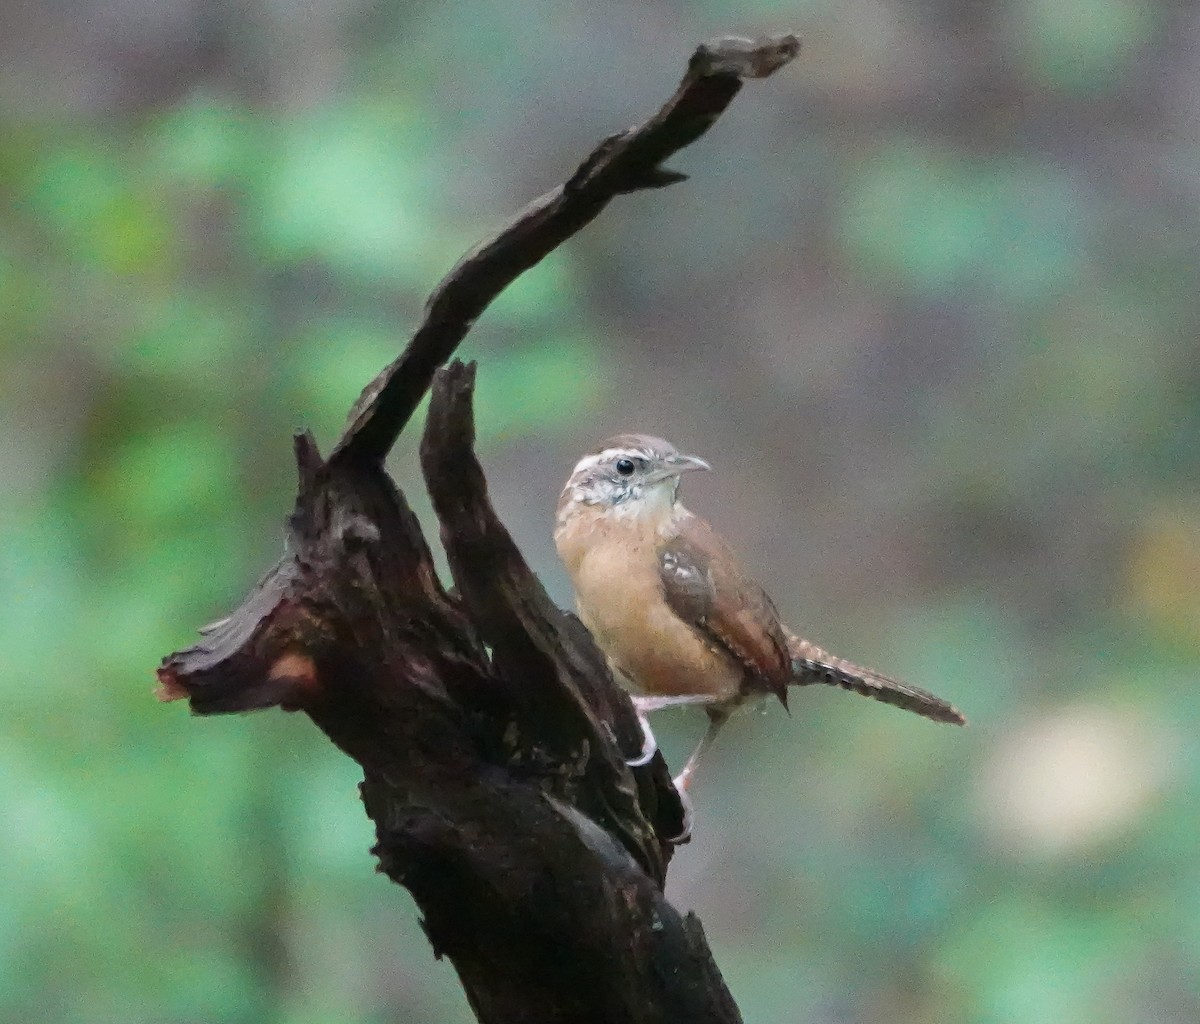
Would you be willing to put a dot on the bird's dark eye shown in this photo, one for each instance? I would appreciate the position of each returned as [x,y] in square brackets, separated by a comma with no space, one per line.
[625,467]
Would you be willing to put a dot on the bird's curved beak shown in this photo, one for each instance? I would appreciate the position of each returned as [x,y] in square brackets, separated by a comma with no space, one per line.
[676,466]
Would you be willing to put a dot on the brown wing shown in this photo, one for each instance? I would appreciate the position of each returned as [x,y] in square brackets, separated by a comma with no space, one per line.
[705,587]
[813,665]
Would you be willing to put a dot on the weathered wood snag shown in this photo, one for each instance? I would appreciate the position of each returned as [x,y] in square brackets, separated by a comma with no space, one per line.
[492,738]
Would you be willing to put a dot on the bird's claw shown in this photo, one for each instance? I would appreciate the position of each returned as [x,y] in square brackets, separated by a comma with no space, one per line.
[685,801]
[649,745]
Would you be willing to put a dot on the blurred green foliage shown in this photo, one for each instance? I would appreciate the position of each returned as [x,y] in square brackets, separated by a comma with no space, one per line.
[928,304]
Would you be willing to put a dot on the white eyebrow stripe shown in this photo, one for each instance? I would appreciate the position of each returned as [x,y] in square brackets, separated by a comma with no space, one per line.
[630,453]
[608,455]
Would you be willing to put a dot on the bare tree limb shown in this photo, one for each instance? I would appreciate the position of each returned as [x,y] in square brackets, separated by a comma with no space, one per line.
[627,162]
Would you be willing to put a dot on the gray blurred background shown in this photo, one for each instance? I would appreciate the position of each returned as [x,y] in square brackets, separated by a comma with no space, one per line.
[928,305]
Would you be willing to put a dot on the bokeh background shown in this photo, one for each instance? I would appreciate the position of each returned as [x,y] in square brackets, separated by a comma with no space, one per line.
[929,306]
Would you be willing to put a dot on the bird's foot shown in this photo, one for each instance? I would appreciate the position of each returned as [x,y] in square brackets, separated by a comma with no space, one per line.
[683,781]
[649,744]
[685,834]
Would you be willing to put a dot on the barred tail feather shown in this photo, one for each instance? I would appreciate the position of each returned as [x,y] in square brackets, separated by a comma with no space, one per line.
[811,664]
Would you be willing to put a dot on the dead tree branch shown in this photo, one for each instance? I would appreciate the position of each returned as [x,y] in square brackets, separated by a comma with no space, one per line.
[629,161]
[492,738]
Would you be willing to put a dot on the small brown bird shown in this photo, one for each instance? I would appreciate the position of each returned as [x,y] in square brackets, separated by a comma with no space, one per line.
[672,608]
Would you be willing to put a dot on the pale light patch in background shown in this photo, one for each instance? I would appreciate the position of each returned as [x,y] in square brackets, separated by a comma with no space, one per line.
[1073,778]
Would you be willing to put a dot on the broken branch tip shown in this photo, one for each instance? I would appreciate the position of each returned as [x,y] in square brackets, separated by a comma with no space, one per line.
[746,58]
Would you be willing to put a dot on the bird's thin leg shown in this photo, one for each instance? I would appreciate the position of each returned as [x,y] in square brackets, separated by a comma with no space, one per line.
[644,705]
[717,717]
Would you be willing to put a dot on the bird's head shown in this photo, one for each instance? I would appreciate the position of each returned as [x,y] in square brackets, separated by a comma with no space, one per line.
[628,475]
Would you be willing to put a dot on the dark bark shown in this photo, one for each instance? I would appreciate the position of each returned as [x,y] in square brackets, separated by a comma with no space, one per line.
[492,737]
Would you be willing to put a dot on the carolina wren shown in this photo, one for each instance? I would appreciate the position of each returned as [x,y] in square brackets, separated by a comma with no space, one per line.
[672,608]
